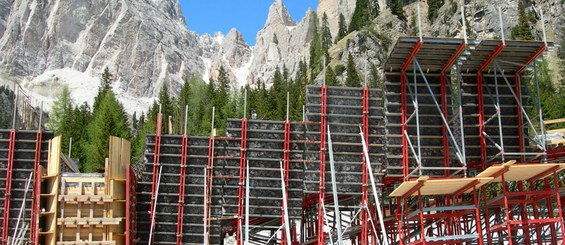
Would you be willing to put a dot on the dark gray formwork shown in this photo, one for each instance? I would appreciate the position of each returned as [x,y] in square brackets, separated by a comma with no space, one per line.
[509,117]
[167,205]
[24,159]
[344,117]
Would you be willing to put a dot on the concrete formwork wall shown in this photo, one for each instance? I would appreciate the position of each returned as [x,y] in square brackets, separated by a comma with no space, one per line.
[23,166]
[509,116]
[265,149]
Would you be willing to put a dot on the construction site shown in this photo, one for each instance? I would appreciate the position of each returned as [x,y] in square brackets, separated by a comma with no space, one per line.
[452,149]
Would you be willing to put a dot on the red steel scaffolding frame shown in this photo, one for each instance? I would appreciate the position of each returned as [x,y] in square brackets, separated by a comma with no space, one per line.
[131,202]
[364,236]
[286,167]
[10,166]
[322,184]
[156,164]
[242,177]
[37,190]
[182,187]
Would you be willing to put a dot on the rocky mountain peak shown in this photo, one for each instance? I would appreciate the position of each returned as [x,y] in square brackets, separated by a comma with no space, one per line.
[234,36]
[278,14]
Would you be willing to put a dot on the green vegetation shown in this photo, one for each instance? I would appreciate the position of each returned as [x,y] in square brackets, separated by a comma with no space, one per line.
[352,79]
[365,12]
[522,31]
[433,8]
[342,31]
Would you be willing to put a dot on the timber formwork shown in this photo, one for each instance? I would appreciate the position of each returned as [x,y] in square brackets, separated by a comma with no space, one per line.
[22,153]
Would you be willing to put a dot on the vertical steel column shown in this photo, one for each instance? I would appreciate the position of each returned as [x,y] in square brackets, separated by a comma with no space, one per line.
[507,210]
[241,189]
[131,226]
[156,164]
[443,88]
[559,206]
[36,190]
[404,127]
[208,179]
[286,167]
[481,101]
[365,178]
[8,189]
[322,184]
[518,91]
[549,205]
[182,187]
[477,216]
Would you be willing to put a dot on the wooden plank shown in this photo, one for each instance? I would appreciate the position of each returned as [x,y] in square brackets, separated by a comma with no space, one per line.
[438,186]
[554,121]
[520,172]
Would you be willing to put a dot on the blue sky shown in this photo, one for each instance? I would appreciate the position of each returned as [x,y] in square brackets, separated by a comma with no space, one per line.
[248,16]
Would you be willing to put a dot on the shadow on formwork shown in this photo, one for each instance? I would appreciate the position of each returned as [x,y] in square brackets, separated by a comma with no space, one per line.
[193,181]
[460,108]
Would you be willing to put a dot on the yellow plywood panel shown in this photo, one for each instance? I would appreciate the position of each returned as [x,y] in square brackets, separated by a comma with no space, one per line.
[53,159]
[554,121]
[438,186]
[521,172]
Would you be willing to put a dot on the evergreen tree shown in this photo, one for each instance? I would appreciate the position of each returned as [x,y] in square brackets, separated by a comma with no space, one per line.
[105,86]
[396,8]
[61,107]
[433,8]
[331,79]
[365,12]
[352,79]
[108,121]
[134,120]
[316,51]
[277,97]
[342,31]
[522,30]
[326,37]
[81,116]
[376,80]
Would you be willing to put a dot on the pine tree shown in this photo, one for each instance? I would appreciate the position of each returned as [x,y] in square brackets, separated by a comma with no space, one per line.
[105,86]
[376,80]
[522,30]
[365,12]
[81,116]
[331,79]
[433,8]
[326,36]
[108,121]
[61,107]
[396,8]
[342,31]
[352,79]
[316,51]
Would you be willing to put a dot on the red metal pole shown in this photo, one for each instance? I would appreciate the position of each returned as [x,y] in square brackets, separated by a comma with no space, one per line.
[422,221]
[365,176]
[208,180]
[487,216]
[182,184]
[8,189]
[481,101]
[477,216]
[37,190]
[322,184]
[399,217]
[131,228]
[241,190]
[445,142]
[507,210]
[559,206]
[549,204]
[156,164]
[518,91]
[286,166]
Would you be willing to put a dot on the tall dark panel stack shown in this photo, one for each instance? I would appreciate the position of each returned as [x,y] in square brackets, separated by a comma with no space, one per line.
[23,166]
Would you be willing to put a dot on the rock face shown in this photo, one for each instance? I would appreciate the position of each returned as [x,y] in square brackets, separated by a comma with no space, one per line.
[281,43]
[146,43]
[332,8]
[143,43]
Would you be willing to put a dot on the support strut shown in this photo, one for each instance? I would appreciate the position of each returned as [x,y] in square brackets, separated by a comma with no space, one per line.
[322,184]
[8,189]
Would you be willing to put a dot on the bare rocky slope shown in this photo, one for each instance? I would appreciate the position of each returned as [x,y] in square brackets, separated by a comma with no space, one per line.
[146,44]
